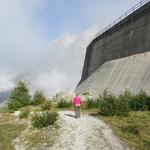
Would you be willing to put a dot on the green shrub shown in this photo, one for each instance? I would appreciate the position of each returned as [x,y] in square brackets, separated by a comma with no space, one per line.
[24,114]
[19,97]
[86,93]
[148,103]
[127,95]
[44,119]
[122,106]
[47,105]
[141,102]
[64,104]
[91,104]
[107,104]
[111,105]
[38,98]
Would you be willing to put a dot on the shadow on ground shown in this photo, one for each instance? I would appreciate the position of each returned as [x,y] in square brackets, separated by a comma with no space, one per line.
[70,115]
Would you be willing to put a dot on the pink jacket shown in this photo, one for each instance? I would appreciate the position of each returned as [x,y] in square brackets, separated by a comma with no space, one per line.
[77,101]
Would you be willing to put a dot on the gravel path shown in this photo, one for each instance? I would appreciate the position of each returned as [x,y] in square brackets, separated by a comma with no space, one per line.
[85,133]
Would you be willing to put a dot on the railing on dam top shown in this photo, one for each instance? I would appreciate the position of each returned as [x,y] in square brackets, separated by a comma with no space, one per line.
[127,13]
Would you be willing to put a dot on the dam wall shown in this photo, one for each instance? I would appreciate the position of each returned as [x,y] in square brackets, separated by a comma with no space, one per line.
[132,73]
[119,58]
[128,37]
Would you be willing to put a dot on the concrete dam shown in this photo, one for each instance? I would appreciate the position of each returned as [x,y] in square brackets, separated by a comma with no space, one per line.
[119,56]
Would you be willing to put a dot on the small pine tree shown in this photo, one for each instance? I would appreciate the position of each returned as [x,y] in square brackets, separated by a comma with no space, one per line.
[38,98]
[19,97]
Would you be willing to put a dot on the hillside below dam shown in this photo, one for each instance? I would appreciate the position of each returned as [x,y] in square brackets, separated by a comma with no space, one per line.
[119,56]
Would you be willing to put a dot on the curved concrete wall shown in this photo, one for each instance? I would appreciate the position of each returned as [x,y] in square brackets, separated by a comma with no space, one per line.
[128,37]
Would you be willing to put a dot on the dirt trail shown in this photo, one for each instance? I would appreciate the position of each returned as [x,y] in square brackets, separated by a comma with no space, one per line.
[85,133]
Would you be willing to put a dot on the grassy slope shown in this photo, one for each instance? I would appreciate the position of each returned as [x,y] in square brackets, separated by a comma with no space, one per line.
[9,130]
[42,138]
[134,130]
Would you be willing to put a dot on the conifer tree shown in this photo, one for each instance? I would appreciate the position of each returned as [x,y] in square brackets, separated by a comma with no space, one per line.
[38,98]
[19,97]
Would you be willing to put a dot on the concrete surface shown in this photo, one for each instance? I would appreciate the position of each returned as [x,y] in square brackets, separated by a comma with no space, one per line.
[131,73]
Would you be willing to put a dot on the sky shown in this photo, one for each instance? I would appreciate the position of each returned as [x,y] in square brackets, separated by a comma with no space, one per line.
[40,34]
[77,15]
[27,26]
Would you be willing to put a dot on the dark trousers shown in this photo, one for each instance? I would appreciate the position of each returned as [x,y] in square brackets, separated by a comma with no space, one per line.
[77,111]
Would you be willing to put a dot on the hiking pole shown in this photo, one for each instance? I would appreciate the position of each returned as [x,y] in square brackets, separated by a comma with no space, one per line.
[82,108]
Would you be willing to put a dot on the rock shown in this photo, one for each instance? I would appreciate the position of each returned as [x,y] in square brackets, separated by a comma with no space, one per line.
[17,113]
[66,95]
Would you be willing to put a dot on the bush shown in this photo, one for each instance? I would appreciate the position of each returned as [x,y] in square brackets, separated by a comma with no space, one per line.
[19,97]
[111,105]
[64,104]
[47,105]
[44,120]
[24,114]
[86,93]
[91,104]
[122,106]
[38,98]
[140,102]
[107,104]
[148,103]
[127,95]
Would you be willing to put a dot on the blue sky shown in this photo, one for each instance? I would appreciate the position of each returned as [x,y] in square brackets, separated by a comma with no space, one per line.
[75,16]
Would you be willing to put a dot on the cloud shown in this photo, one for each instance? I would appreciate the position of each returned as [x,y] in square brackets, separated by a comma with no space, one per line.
[64,56]
[67,58]
[21,44]
[51,82]
[6,80]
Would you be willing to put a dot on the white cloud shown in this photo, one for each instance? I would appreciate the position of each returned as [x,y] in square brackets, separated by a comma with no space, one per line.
[6,80]
[67,57]
[21,44]
[50,82]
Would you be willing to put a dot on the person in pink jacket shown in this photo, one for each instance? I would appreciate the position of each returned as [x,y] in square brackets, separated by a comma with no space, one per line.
[77,103]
